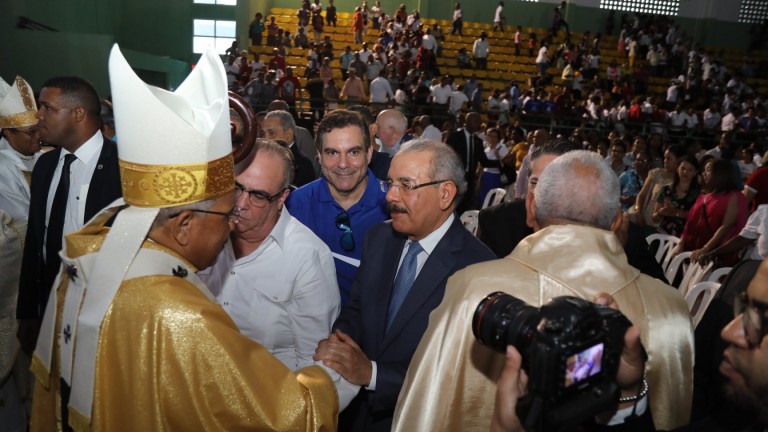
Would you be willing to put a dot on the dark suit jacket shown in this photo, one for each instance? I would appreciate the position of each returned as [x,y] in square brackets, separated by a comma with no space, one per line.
[37,276]
[380,163]
[502,227]
[364,316]
[304,171]
[458,142]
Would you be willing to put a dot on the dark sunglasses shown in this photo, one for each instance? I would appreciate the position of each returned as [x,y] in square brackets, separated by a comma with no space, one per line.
[347,242]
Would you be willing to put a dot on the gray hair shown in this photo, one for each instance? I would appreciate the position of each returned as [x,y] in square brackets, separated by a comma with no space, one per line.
[274,147]
[579,187]
[286,119]
[167,213]
[446,164]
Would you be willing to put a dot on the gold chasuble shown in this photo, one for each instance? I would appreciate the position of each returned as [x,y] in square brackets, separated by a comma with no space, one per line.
[170,359]
[451,382]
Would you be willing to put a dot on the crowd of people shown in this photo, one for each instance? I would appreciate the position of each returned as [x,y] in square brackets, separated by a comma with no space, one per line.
[322,279]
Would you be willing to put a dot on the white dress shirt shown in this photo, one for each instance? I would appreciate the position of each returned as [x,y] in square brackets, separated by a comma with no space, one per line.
[284,294]
[440,94]
[14,188]
[428,244]
[80,174]
[432,133]
[381,91]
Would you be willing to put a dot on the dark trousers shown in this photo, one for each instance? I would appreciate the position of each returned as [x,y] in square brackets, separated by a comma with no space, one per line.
[481,63]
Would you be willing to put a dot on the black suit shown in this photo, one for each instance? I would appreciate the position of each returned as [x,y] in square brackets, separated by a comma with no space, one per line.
[37,275]
[380,163]
[364,316]
[304,170]
[502,227]
[458,142]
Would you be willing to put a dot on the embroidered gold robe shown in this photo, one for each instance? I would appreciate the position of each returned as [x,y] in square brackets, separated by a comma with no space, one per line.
[451,381]
[170,359]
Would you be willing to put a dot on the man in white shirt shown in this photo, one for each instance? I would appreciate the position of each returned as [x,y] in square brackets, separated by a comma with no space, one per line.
[365,53]
[429,131]
[439,95]
[498,18]
[85,164]
[457,100]
[275,277]
[712,117]
[381,92]
[480,51]
[428,41]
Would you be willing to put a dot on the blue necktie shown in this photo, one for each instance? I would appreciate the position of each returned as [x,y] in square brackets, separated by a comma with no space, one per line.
[403,281]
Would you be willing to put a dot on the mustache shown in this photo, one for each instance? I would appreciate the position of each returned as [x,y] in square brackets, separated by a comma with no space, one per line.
[394,208]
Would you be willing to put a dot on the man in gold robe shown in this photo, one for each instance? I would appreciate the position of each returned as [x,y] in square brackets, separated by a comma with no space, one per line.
[132,339]
[451,381]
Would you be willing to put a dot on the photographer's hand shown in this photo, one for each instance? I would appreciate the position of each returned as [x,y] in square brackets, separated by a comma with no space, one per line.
[632,365]
[512,385]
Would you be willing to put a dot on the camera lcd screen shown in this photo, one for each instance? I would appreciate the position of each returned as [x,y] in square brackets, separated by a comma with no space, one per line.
[584,364]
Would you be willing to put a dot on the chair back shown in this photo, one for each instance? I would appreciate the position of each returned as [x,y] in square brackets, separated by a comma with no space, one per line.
[679,264]
[469,220]
[494,196]
[698,299]
[663,253]
[719,274]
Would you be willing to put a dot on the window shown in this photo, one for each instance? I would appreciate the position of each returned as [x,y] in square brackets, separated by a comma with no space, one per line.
[753,11]
[661,7]
[218,35]
[217,2]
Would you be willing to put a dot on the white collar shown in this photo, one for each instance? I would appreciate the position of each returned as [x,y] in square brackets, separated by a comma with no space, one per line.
[88,150]
[429,243]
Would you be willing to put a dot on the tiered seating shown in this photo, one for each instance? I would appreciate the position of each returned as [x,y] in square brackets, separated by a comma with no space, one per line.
[503,65]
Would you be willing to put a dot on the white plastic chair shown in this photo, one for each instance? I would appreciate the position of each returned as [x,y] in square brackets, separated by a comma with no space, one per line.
[469,220]
[678,264]
[664,251]
[693,275]
[494,196]
[718,274]
[699,298]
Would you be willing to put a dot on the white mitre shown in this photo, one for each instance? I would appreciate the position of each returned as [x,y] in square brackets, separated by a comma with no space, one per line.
[174,149]
[17,104]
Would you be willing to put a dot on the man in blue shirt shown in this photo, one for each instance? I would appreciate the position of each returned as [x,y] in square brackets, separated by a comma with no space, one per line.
[347,200]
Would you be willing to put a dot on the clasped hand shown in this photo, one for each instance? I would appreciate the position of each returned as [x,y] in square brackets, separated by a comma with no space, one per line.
[340,353]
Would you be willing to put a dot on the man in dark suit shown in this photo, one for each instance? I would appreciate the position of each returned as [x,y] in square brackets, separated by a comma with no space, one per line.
[503,226]
[84,160]
[470,150]
[404,268]
[280,125]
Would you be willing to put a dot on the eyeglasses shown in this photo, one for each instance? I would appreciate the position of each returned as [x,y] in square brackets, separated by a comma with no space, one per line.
[29,132]
[232,215]
[255,197]
[347,242]
[753,318]
[405,188]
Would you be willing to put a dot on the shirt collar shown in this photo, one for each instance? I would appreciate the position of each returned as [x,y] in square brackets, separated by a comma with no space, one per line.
[88,150]
[429,243]
[278,231]
[370,197]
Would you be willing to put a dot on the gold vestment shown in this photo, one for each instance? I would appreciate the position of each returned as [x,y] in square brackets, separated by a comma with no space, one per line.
[451,381]
[170,359]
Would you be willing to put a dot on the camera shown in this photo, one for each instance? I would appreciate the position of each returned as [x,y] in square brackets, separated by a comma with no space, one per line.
[570,348]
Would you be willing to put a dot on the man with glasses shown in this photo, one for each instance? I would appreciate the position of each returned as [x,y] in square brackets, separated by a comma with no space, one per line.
[572,206]
[69,186]
[403,272]
[745,361]
[132,338]
[347,200]
[274,277]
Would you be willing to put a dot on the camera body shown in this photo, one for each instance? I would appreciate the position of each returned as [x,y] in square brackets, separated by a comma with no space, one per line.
[571,349]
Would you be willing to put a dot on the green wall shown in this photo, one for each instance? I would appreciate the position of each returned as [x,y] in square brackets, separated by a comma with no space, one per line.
[89,27]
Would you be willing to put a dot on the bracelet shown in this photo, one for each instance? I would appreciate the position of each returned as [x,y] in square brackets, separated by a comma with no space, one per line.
[643,392]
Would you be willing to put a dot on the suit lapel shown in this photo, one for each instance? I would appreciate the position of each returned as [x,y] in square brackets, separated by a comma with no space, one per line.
[40,199]
[392,251]
[438,267]
[101,179]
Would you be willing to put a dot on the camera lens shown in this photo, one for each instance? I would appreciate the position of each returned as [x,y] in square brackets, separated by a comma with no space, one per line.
[501,320]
